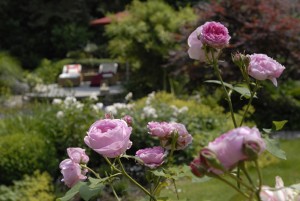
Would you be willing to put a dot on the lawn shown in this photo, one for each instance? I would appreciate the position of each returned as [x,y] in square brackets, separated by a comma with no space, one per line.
[213,190]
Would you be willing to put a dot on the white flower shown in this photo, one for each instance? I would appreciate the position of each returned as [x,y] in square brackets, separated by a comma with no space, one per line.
[97,107]
[93,97]
[279,193]
[60,114]
[69,100]
[111,109]
[128,97]
[149,111]
[150,97]
[56,101]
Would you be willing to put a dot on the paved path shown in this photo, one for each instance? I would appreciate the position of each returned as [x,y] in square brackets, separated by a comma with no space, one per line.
[84,90]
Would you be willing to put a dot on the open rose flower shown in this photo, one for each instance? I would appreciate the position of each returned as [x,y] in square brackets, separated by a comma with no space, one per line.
[279,193]
[151,157]
[109,137]
[230,147]
[77,155]
[164,131]
[212,34]
[71,172]
[262,67]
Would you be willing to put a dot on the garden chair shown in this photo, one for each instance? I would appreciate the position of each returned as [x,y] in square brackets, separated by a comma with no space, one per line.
[71,75]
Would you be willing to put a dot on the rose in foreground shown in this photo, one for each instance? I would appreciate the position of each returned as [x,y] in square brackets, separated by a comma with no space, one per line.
[262,67]
[71,172]
[230,147]
[77,155]
[165,132]
[279,193]
[109,137]
[151,157]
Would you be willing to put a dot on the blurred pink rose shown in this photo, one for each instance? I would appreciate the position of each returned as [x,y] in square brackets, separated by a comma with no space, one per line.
[128,120]
[109,137]
[71,172]
[229,147]
[152,157]
[279,193]
[159,129]
[214,34]
[164,131]
[199,167]
[195,46]
[184,138]
[77,155]
[262,67]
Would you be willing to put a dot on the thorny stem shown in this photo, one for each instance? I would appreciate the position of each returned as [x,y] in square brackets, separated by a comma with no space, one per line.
[92,171]
[231,185]
[113,189]
[259,180]
[134,181]
[217,70]
[250,101]
[174,183]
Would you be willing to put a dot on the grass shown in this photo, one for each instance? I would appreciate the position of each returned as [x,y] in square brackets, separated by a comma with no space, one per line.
[214,190]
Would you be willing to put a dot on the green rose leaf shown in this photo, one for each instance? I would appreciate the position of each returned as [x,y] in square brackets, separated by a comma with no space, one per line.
[278,125]
[87,192]
[72,192]
[218,82]
[273,147]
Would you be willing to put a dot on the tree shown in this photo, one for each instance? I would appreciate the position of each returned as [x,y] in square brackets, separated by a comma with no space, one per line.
[144,38]
[256,26]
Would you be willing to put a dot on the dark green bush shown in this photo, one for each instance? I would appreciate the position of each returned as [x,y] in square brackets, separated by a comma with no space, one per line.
[23,154]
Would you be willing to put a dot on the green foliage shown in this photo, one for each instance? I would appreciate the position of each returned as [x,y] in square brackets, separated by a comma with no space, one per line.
[144,38]
[283,103]
[203,121]
[48,70]
[69,37]
[44,135]
[22,154]
[36,187]
[10,72]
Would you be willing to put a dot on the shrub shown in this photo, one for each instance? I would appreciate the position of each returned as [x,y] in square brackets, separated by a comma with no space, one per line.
[10,73]
[143,38]
[23,154]
[204,121]
[36,187]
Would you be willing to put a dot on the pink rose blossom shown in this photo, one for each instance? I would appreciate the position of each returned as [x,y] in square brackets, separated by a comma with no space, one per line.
[229,147]
[128,120]
[262,67]
[164,131]
[109,137]
[152,157]
[160,129]
[279,193]
[214,34]
[77,155]
[71,172]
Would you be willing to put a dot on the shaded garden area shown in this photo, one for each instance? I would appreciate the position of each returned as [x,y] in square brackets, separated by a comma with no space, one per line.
[160,83]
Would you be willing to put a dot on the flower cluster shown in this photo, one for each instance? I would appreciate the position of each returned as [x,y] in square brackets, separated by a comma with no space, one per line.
[71,168]
[165,132]
[214,35]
